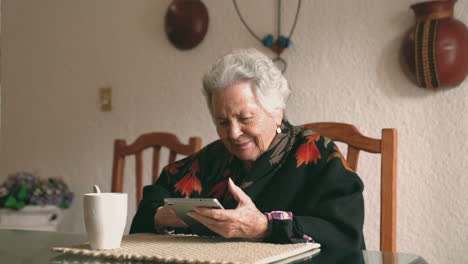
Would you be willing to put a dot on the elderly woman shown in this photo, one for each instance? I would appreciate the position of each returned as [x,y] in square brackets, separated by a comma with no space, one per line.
[279,183]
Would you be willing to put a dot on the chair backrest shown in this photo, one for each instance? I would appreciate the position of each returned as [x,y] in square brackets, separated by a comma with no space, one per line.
[387,147]
[155,140]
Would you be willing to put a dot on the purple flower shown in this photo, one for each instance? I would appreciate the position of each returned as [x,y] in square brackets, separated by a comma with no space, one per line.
[4,191]
[52,191]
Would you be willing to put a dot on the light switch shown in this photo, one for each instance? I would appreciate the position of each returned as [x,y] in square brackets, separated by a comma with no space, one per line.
[105,98]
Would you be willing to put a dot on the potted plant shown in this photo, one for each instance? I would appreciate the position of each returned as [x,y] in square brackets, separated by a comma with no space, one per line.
[29,202]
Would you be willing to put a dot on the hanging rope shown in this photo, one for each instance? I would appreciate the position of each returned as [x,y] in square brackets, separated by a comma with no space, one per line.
[280,43]
[279,18]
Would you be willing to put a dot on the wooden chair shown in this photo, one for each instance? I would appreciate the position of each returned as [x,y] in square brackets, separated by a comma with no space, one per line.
[155,140]
[387,147]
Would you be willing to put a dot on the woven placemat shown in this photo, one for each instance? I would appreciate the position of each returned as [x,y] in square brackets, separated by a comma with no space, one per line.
[192,249]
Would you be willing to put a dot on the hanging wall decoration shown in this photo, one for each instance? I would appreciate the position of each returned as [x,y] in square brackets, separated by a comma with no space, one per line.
[186,23]
[276,44]
[434,52]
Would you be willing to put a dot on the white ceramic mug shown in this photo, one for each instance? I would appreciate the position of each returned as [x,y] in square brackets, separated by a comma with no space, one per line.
[105,216]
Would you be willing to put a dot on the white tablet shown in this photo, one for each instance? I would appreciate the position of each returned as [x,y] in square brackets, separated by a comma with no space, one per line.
[184,205]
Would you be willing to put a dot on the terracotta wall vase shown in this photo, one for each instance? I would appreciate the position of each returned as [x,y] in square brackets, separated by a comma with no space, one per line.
[186,23]
[434,52]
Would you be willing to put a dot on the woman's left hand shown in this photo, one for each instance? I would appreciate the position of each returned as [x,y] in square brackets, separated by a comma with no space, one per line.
[246,221]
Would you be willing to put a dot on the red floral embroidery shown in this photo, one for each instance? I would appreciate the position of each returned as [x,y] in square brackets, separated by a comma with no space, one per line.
[308,152]
[219,189]
[190,182]
[173,168]
[337,154]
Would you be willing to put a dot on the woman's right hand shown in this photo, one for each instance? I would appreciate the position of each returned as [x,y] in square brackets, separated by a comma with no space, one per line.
[166,217]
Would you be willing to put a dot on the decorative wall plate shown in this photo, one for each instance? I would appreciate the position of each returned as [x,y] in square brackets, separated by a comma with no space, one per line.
[186,23]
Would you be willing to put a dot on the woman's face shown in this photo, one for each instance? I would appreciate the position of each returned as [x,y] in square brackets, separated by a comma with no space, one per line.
[243,125]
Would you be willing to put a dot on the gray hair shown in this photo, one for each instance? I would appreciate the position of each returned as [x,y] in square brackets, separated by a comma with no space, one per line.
[268,83]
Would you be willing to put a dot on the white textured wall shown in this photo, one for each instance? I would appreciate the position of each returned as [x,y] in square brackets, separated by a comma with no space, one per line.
[343,66]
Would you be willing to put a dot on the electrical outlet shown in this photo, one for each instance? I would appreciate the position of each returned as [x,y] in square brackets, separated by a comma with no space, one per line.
[105,98]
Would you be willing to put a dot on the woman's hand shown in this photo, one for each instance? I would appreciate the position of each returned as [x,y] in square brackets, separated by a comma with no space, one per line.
[246,221]
[166,217]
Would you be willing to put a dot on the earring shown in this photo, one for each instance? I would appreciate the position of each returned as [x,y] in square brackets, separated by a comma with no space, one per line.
[278,130]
